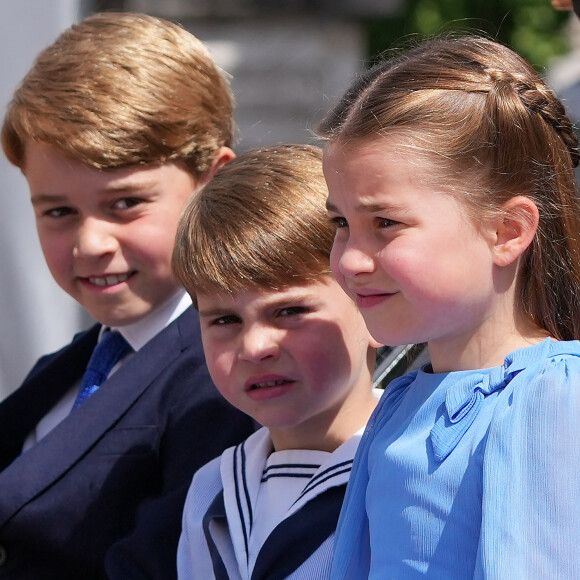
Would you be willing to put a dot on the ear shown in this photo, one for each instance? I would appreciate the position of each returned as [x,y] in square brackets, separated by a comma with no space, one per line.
[515,227]
[223,155]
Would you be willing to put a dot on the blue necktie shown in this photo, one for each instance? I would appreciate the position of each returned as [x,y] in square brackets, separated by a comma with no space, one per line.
[107,353]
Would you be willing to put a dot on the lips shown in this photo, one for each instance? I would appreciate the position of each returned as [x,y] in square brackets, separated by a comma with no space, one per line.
[370,298]
[267,388]
[109,280]
[268,384]
[268,381]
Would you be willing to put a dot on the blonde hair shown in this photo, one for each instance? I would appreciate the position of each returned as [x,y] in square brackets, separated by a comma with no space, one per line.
[260,222]
[490,130]
[123,89]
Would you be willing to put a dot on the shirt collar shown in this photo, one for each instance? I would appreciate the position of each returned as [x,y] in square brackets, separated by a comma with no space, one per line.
[141,332]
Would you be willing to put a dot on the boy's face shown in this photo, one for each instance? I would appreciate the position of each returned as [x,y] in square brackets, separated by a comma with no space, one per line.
[108,236]
[295,360]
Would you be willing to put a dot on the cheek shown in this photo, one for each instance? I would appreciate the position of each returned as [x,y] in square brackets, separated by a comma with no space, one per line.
[219,363]
[400,262]
[151,245]
[57,251]
[324,358]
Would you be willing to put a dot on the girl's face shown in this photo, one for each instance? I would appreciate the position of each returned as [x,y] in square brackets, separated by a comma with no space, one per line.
[405,251]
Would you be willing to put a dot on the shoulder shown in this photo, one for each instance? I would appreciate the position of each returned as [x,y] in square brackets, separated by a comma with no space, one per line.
[82,342]
[530,473]
[193,557]
[205,485]
[542,398]
[551,378]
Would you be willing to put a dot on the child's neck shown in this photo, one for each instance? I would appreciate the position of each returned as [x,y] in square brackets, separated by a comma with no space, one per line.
[327,433]
[485,349]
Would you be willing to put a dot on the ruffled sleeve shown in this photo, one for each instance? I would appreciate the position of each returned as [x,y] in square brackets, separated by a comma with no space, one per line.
[531,476]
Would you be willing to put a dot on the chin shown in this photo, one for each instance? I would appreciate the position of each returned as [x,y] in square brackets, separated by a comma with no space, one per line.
[118,319]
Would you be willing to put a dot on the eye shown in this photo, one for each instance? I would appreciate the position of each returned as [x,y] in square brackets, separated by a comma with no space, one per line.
[293,311]
[385,222]
[127,202]
[225,320]
[59,212]
[339,222]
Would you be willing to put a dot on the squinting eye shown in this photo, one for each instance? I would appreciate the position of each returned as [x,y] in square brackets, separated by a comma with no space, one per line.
[293,311]
[385,222]
[58,212]
[339,222]
[127,202]
[224,320]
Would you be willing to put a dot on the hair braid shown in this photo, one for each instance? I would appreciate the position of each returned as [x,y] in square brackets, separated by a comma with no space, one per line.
[490,130]
[537,98]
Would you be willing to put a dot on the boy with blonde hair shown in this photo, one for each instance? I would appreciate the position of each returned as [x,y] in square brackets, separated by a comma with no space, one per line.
[114,127]
[284,344]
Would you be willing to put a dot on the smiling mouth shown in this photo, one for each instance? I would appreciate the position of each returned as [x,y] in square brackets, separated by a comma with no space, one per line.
[269,384]
[110,280]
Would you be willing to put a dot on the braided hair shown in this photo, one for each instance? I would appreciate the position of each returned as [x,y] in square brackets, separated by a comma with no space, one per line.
[492,130]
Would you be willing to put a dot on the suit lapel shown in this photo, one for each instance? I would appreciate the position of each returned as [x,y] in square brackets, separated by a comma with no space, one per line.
[48,381]
[69,441]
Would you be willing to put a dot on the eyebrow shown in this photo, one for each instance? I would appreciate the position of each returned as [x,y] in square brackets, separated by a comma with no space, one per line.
[214,311]
[128,188]
[51,198]
[362,206]
[40,198]
[276,302]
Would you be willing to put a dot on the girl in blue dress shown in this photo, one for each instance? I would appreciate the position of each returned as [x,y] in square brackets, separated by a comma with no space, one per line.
[450,171]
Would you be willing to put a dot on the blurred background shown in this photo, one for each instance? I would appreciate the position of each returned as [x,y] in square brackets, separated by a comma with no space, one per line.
[289,60]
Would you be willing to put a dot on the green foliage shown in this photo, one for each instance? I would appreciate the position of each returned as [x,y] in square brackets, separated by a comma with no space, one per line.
[531,27]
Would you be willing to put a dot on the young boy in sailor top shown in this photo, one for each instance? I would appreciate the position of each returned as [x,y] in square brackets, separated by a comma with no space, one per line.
[287,346]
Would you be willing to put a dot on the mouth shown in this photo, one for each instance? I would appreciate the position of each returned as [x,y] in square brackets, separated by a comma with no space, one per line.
[370,299]
[109,280]
[268,384]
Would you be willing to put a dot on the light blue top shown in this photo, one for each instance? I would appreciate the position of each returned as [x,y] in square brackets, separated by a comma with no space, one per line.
[470,474]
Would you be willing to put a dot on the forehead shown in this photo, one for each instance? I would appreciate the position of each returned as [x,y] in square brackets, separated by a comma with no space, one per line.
[382,154]
[390,176]
[261,297]
[367,169]
[47,170]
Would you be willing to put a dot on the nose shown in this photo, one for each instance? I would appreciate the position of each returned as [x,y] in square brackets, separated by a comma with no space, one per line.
[352,258]
[94,239]
[259,343]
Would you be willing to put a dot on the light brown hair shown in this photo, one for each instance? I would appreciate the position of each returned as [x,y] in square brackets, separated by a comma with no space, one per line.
[260,222]
[490,129]
[123,89]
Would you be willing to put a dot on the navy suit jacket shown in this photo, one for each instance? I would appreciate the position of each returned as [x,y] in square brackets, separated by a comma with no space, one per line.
[101,495]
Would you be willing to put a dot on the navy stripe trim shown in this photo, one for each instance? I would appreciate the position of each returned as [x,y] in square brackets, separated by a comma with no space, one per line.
[302,475]
[292,466]
[216,511]
[246,487]
[307,490]
[296,538]
[336,467]
[239,499]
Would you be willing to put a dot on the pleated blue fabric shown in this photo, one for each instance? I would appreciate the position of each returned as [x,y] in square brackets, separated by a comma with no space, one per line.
[471,474]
